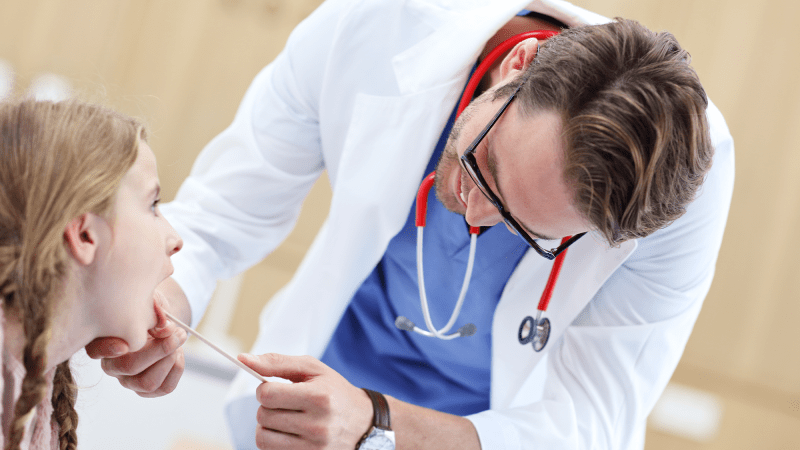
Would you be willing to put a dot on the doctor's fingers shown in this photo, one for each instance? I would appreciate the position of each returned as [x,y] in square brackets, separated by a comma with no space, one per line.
[154,351]
[148,382]
[308,432]
[106,347]
[159,379]
[297,423]
[277,440]
[308,396]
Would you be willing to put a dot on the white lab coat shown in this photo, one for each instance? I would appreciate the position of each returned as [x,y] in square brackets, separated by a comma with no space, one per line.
[363,90]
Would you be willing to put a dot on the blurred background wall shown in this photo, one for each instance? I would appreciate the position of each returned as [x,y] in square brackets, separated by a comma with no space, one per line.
[183,66]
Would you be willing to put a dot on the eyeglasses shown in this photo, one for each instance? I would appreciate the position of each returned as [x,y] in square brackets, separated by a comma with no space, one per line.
[470,164]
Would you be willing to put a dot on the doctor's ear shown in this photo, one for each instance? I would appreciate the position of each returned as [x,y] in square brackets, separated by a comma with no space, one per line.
[518,59]
[81,238]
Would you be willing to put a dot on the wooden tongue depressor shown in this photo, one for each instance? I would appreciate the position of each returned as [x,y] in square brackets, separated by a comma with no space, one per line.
[210,344]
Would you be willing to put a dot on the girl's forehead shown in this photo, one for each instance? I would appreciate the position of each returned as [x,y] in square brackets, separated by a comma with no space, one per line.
[143,174]
[145,164]
[146,157]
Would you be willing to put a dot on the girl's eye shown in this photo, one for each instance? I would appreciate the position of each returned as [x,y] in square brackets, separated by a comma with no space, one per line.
[155,205]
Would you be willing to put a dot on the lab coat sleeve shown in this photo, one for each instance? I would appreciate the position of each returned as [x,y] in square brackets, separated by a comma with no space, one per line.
[246,187]
[612,363]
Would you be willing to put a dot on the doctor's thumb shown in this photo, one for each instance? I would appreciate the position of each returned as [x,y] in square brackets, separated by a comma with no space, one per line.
[264,365]
[293,368]
[250,361]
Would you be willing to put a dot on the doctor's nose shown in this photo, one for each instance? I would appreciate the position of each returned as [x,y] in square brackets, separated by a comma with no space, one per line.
[480,211]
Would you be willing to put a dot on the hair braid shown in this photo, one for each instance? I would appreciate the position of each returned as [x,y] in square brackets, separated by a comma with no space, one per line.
[9,255]
[64,395]
[34,385]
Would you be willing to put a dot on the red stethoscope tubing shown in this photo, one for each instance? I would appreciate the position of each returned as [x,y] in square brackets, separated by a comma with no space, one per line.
[555,271]
[487,62]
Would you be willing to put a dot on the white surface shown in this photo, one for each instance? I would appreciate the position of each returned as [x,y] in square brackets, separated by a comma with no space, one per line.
[112,417]
[687,412]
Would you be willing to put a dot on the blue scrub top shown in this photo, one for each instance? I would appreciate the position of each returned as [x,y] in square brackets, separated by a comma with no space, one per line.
[450,376]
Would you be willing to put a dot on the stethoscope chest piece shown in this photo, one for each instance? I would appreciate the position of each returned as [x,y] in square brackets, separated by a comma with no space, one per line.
[537,335]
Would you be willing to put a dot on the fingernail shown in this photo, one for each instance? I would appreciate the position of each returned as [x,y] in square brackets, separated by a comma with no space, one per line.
[117,349]
[247,357]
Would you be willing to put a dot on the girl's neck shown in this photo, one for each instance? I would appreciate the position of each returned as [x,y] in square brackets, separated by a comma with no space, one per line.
[13,334]
[68,333]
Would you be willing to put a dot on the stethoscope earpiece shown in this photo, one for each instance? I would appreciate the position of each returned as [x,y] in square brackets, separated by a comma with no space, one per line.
[404,324]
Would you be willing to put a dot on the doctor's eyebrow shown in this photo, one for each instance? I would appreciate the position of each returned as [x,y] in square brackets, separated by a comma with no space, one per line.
[491,162]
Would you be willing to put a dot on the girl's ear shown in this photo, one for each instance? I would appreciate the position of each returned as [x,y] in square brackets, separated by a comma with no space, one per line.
[81,236]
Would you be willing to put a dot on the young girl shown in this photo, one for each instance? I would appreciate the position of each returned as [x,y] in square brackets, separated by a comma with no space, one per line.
[82,247]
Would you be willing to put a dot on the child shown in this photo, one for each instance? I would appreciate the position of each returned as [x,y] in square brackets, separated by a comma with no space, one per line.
[82,247]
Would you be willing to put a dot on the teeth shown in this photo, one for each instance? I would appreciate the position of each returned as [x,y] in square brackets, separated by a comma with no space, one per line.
[462,198]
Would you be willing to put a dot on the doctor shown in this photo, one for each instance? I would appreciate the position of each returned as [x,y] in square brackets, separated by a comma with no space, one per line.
[610,133]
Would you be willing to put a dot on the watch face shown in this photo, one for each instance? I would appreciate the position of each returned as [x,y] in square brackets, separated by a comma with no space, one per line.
[379,439]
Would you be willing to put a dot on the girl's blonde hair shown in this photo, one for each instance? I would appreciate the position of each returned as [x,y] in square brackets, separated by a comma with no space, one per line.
[57,161]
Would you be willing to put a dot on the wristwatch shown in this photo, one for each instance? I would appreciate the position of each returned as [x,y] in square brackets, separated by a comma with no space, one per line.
[380,435]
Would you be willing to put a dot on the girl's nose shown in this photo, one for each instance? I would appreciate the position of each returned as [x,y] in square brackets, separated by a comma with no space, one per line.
[174,242]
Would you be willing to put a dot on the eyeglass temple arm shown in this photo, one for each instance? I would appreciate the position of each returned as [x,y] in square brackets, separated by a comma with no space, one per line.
[566,242]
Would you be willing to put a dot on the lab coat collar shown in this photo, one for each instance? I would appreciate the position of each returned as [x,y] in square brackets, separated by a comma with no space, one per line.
[475,22]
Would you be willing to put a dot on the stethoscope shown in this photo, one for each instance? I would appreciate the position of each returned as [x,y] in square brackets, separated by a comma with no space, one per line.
[538,329]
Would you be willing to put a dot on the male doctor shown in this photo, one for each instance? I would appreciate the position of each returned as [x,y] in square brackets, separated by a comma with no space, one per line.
[603,129]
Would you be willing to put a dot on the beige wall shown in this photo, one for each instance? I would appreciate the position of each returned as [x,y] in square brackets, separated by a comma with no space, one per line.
[183,65]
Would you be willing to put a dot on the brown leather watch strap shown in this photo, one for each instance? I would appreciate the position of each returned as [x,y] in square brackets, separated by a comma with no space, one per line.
[380,410]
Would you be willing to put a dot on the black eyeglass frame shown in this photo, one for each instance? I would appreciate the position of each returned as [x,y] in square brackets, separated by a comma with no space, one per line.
[470,164]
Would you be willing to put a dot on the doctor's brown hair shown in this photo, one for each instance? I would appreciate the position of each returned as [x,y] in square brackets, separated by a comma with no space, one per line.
[634,123]
[57,161]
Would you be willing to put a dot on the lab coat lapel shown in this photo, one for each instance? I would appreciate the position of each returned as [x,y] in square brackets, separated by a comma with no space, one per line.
[587,265]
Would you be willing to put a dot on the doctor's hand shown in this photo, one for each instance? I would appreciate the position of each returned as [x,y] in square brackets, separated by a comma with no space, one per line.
[154,370]
[319,410]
